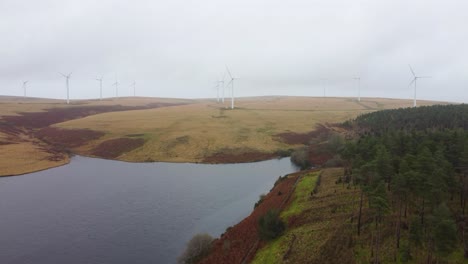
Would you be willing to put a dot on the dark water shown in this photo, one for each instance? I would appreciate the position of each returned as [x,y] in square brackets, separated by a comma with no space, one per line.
[101,211]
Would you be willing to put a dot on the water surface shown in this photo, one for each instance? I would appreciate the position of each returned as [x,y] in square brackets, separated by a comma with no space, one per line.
[102,211]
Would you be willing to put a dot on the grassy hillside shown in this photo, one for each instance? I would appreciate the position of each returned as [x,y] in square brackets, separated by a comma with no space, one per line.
[314,221]
[197,131]
[208,132]
[21,151]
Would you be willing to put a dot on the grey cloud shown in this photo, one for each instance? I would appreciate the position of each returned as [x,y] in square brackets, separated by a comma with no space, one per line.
[179,48]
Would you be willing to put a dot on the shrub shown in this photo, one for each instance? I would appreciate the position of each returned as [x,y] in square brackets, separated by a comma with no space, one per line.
[279,180]
[260,200]
[335,142]
[336,161]
[270,225]
[300,157]
[284,152]
[317,185]
[197,248]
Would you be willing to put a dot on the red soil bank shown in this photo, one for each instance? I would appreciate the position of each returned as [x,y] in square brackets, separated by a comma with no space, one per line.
[239,158]
[302,138]
[240,241]
[35,125]
[68,138]
[58,115]
[115,147]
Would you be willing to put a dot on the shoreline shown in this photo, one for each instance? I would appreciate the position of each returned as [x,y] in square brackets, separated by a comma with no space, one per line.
[70,157]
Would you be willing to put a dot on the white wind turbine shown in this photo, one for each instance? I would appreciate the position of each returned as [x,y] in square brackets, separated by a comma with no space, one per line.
[415,81]
[134,88]
[222,82]
[100,86]
[24,87]
[219,85]
[324,81]
[217,91]
[232,87]
[67,77]
[359,88]
[116,84]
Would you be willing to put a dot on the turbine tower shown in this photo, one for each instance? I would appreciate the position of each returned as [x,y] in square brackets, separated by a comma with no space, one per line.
[324,81]
[222,82]
[116,84]
[232,87]
[415,80]
[359,88]
[24,88]
[217,91]
[100,87]
[134,88]
[67,79]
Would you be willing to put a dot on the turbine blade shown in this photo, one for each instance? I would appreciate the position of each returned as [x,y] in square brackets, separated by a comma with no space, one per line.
[229,72]
[412,82]
[411,69]
[63,74]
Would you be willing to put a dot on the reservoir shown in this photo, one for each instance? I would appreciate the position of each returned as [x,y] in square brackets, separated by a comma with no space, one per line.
[102,211]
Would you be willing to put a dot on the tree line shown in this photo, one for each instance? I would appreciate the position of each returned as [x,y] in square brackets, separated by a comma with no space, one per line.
[435,117]
[411,167]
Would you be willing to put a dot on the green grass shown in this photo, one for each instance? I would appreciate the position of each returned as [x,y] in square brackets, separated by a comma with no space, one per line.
[301,195]
[457,256]
[274,250]
[272,253]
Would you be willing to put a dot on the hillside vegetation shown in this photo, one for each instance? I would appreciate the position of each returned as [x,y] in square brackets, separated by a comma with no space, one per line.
[319,214]
[28,143]
[413,173]
[400,197]
[38,134]
[209,132]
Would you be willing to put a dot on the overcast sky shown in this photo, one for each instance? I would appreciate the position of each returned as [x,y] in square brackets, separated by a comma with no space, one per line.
[180,48]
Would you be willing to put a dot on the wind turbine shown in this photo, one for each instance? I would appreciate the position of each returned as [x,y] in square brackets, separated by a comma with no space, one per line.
[232,87]
[134,88]
[324,87]
[100,86]
[222,81]
[67,77]
[116,84]
[218,86]
[24,87]
[359,87]
[415,81]
[217,90]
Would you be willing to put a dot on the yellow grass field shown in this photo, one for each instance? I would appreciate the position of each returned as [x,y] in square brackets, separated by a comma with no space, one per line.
[183,133]
[25,153]
[190,133]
